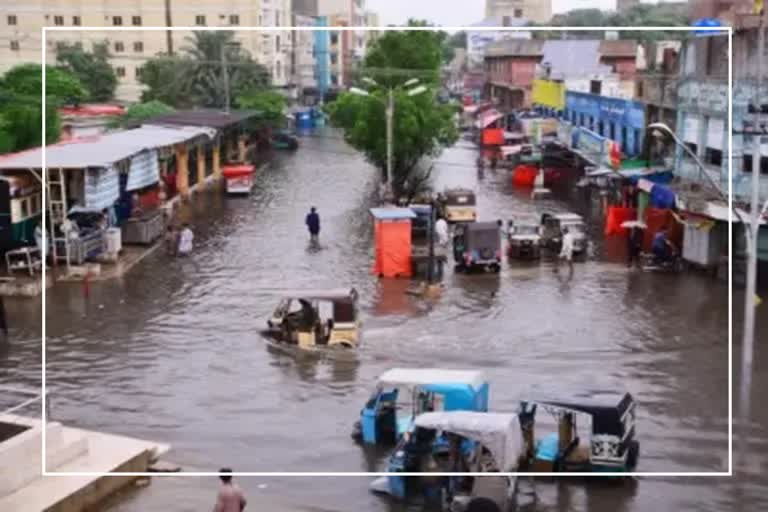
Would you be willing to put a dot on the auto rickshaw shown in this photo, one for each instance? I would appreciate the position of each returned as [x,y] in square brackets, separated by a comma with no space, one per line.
[401,394]
[298,321]
[459,205]
[524,238]
[477,245]
[552,225]
[611,447]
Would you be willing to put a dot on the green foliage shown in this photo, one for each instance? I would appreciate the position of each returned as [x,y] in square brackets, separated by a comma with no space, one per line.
[21,105]
[640,15]
[450,43]
[270,103]
[422,126]
[139,112]
[196,79]
[91,68]
[396,57]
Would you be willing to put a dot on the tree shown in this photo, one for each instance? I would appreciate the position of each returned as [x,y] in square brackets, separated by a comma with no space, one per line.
[269,103]
[422,126]
[413,54]
[91,68]
[196,77]
[21,104]
[451,43]
[139,112]
[164,78]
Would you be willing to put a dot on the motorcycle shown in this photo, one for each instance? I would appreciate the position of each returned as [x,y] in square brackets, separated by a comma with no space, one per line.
[650,263]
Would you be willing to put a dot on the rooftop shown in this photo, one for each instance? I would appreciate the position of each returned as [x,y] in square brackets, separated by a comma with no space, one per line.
[209,118]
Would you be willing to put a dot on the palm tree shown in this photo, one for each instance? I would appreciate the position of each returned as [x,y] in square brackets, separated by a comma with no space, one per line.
[205,75]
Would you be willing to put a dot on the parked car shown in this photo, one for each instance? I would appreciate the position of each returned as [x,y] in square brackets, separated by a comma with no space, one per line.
[524,238]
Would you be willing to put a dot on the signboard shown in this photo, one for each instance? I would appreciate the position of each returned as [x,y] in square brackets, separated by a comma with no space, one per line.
[613,110]
[548,94]
[707,96]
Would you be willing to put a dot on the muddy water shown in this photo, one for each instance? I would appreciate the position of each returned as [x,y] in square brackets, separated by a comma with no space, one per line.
[170,352]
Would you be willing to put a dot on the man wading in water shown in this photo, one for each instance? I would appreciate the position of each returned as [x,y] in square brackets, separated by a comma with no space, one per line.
[231,498]
[313,224]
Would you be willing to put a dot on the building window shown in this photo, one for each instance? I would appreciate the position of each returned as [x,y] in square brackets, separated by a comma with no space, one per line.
[334,59]
[334,79]
[120,71]
[713,156]
[595,86]
[334,38]
[234,19]
[279,70]
[12,19]
[119,47]
[117,21]
[277,18]
[277,43]
[200,20]
[693,147]
[58,20]
[136,20]
[747,162]
[138,72]
[518,13]
[138,47]
[76,21]
[15,46]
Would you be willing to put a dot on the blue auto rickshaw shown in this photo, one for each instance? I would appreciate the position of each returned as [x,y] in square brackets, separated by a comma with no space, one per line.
[401,394]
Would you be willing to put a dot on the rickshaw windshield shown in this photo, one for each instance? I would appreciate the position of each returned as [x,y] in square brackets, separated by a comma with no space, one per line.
[526,229]
[575,226]
[460,200]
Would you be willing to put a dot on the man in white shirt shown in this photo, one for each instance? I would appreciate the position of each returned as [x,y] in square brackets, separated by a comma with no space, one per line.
[566,253]
[186,238]
[441,230]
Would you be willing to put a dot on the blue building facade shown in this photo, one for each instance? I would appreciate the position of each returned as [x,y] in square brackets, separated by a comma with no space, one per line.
[615,119]
[322,58]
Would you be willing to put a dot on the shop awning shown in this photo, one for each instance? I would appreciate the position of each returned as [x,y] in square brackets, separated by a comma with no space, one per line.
[488,118]
[144,170]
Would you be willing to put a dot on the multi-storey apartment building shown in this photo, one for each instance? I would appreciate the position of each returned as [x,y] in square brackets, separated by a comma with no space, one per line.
[21,37]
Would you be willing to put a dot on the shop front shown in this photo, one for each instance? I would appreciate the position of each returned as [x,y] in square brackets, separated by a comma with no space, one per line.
[614,119]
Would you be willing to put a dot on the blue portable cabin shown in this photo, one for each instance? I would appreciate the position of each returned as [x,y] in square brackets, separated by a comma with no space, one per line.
[427,389]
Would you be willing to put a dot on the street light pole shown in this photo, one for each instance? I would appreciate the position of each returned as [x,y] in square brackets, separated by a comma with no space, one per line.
[390,132]
[225,75]
[748,340]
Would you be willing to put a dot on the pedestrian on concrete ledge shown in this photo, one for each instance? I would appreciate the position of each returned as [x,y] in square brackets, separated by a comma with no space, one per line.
[230,498]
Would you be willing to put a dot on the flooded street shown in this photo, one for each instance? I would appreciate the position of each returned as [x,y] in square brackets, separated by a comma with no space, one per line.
[171,352]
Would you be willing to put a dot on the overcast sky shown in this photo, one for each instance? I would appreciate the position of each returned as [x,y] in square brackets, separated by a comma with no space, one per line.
[459,12]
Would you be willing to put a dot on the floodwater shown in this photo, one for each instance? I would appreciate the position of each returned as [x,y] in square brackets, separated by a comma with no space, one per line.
[171,351]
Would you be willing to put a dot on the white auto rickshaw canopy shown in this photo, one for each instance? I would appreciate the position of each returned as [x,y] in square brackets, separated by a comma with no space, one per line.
[410,377]
[500,433]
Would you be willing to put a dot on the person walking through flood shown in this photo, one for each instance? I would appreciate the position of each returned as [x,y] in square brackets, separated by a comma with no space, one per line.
[230,498]
[441,231]
[171,240]
[3,323]
[634,246]
[566,252]
[313,224]
[186,238]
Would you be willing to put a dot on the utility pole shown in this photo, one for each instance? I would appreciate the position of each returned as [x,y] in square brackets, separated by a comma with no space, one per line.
[390,122]
[168,23]
[754,229]
[225,74]
[431,259]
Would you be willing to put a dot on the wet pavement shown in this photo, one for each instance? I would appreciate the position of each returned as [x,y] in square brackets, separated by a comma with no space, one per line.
[171,351]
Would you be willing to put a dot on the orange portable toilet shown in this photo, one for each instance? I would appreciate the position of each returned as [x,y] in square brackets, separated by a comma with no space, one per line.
[393,241]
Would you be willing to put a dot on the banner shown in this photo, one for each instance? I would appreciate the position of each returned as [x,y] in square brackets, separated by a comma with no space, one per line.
[548,94]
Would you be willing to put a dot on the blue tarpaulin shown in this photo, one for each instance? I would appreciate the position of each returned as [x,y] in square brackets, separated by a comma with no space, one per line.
[662,197]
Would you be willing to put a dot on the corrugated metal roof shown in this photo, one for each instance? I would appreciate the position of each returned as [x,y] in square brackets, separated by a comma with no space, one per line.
[103,150]
[573,57]
[209,118]
[618,48]
[515,48]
